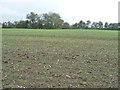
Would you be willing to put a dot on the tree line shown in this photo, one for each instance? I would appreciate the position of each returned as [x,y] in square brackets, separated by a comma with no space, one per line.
[53,20]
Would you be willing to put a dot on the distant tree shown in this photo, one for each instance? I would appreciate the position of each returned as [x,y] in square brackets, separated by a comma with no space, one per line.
[21,24]
[110,26]
[57,21]
[88,23]
[8,25]
[95,25]
[16,23]
[106,26]
[75,26]
[39,24]
[82,25]
[33,19]
[100,25]
[119,26]
[52,20]
[66,25]
[113,26]
[4,25]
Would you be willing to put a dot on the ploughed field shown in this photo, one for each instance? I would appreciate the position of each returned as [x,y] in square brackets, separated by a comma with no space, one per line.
[33,58]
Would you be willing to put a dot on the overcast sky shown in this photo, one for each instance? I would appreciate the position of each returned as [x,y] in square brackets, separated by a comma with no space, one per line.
[70,10]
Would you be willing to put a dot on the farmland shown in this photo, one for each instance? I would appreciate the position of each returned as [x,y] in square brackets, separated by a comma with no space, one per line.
[33,58]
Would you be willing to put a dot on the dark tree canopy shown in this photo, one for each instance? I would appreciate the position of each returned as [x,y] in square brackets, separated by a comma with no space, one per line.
[53,20]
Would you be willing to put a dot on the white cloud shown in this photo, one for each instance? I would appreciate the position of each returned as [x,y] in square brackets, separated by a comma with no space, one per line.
[16,1]
[95,10]
[9,14]
[70,10]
